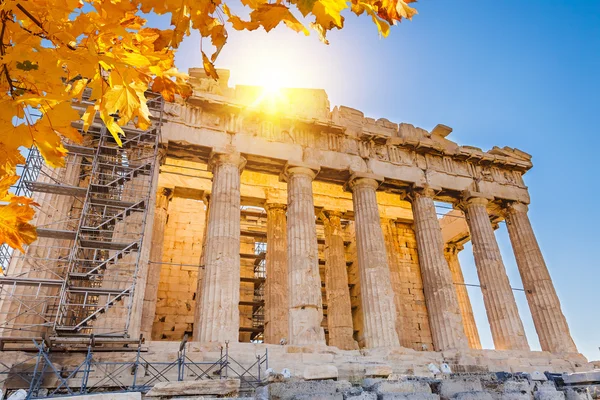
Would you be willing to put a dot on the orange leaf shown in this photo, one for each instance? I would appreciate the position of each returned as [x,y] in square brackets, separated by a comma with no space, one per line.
[270,15]
[15,229]
[209,68]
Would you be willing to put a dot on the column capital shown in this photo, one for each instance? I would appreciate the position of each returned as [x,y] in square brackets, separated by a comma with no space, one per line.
[453,248]
[293,168]
[219,157]
[470,197]
[333,213]
[363,179]
[274,206]
[421,191]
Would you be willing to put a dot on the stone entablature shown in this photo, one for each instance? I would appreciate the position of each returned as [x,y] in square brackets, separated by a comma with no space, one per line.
[342,142]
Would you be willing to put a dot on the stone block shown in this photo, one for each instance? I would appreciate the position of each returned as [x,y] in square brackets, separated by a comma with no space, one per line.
[407,386]
[578,378]
[318,372]
[516,386]
[222,387]
[577,394]
[318,396]
[105,396]
[361,396]
[368,383]
[450,387]
[515,396]
[378,370]
[538,376]
[288,390]
[548,395]
[546,386]
[473,396]
[409,396]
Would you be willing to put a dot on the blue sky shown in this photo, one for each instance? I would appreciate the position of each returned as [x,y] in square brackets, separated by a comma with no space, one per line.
[520,73]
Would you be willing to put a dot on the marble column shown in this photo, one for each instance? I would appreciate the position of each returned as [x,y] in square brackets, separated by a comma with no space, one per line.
[163,196]
[548,318]
[440,296]
[377,295]
[500,305]
[218,318]
[276,284]
[305,302]
[339,309]
[466,310]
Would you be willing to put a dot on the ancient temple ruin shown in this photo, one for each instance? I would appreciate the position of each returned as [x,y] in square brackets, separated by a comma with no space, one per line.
[270,219]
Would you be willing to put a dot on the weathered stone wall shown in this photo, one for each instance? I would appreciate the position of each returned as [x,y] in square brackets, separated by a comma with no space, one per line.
[413,323]
[353,281]
[177,287]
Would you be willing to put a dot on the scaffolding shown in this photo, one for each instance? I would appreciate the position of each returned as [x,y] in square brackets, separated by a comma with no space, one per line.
[90,224]
[43,373]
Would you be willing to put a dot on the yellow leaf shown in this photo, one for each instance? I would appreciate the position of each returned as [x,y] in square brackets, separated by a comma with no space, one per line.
[218,37]
[270,15]
[114,128]
[49,145]
[328,13]
[6,182]
[121,99]
[76,88]
[88,117]
[237,23]
[59,119]
[15,229]
[209,68]
[405,10]
[10,156]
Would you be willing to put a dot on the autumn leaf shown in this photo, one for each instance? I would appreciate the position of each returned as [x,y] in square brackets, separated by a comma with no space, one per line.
[88,117]
[270,15]
[209,67]
[15,229]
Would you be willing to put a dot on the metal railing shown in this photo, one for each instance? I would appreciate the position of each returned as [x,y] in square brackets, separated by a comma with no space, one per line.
[42,377]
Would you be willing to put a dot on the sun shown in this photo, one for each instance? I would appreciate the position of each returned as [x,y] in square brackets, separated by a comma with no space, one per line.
[272,98]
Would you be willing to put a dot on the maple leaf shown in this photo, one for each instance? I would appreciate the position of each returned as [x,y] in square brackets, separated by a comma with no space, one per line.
[209,67]
[15,229]
[270,15]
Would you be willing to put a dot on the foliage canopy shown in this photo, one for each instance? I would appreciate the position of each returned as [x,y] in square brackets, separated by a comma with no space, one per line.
[51,50]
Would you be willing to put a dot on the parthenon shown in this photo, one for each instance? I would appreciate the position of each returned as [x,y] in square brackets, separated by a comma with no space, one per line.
[270,218]
[345,206]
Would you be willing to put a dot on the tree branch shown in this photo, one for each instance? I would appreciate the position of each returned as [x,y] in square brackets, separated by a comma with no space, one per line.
[31,17]
[3,52]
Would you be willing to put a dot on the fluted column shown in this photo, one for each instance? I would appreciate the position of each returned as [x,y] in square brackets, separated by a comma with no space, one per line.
[500,305]
[158,235]
[339,309]
[442,303]
[218,319]
[305,303]
[377,296]
[548,318]
[466,310]
[276,284]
